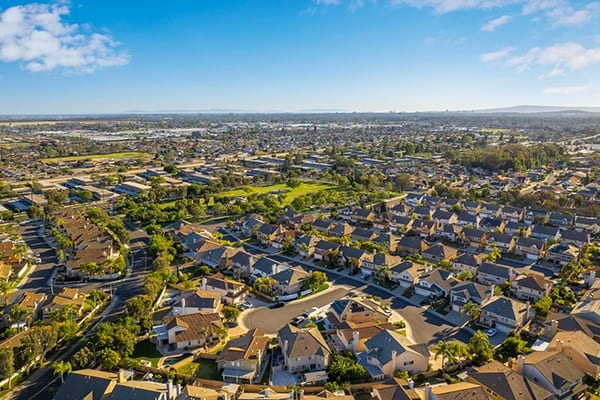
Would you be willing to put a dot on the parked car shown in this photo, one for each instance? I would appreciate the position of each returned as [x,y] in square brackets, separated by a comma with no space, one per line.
[491,332]
[277,305]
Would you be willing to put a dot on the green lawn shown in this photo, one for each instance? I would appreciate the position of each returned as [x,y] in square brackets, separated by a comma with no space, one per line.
[127,154]
[289,194]
[146,350]
[201,368]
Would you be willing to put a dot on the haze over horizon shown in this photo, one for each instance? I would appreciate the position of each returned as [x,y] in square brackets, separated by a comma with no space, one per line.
[86,57]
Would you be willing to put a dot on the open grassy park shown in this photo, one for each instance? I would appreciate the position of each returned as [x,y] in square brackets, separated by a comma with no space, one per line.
[288,194]
[107,156]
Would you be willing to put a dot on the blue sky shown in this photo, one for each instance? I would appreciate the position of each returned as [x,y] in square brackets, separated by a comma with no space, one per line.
[93,56]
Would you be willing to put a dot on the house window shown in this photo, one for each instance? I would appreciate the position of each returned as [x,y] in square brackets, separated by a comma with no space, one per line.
[411,362]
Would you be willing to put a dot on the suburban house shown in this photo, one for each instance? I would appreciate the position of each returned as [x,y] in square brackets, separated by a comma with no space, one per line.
[530,287]
[401,224]
[411,245]
[303,349]
[561,254]
[341,230]
[563,221]
[502,241]
[266,266]
[575,238]
[407,273]
[231,292]
[531,248]
[589,225]
[475,238]
[435,283]
[494,274]
[289,281]
[543,232]
[439,252]
[70,297]
[467,262]
[471,207]
[352,337]
[504,314]
[87,384]
[468,220]
[490,210]
[183,332]
[305,245]
[554,372]
[32,302]
[323,248]
[140,390]
[424,228]
[243,359]
[271,235]
[192,302]
[465,292]
[242,262]
[512,214]
[389,351]
[372,262]
[357,311]
[581,349]
[502,383]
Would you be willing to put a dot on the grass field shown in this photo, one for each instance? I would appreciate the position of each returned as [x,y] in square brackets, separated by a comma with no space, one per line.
[116,156]
[289,194]
[201,368]
[146,350]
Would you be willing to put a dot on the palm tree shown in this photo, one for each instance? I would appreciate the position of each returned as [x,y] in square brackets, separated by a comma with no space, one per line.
[5,288]
[384,273]
[442,349]
[61,368]
[18,314]
[480,348]
[471,309]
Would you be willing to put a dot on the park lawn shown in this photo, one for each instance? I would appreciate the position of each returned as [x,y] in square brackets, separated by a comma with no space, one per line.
[146,350]
[126,154]
[289,194]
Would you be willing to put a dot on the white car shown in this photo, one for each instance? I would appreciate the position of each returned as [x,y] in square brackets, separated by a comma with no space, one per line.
[491,332]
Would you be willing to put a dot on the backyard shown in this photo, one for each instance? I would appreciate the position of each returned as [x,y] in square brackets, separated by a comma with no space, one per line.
[146,350]
[201,368]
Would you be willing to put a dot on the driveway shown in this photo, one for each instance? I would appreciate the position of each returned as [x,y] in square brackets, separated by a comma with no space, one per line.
[271,320]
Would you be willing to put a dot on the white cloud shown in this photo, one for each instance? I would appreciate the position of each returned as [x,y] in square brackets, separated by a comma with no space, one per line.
[534,6]
[497,55]
[37,36]
[565,90]
[327,2]
[560,57]
[446,6]
[568,16]
[491,25]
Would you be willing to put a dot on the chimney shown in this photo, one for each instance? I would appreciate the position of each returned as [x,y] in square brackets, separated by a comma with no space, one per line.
[285,346]
[274,269]
[203,284]
[355,340]
[182,305]
[551,329]
[520,364]
[394,356]
[528,311]
[559,345]
[427,391]
[492,290]
[590,277]
[410,383]
[122,377]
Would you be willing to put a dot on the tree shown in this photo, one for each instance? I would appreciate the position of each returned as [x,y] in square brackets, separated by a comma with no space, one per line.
[138,306]
[314,280]
[265,284]
[108,359]
[480,349]
[61,368]
[344,368]
[18,314]
[473,310]
[5,288]
[542,306]
[7,364]
[84,358]
[443,349]
[230,313]
[67,330]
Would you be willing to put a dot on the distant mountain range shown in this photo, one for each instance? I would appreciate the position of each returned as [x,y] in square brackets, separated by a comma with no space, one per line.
[526,109]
